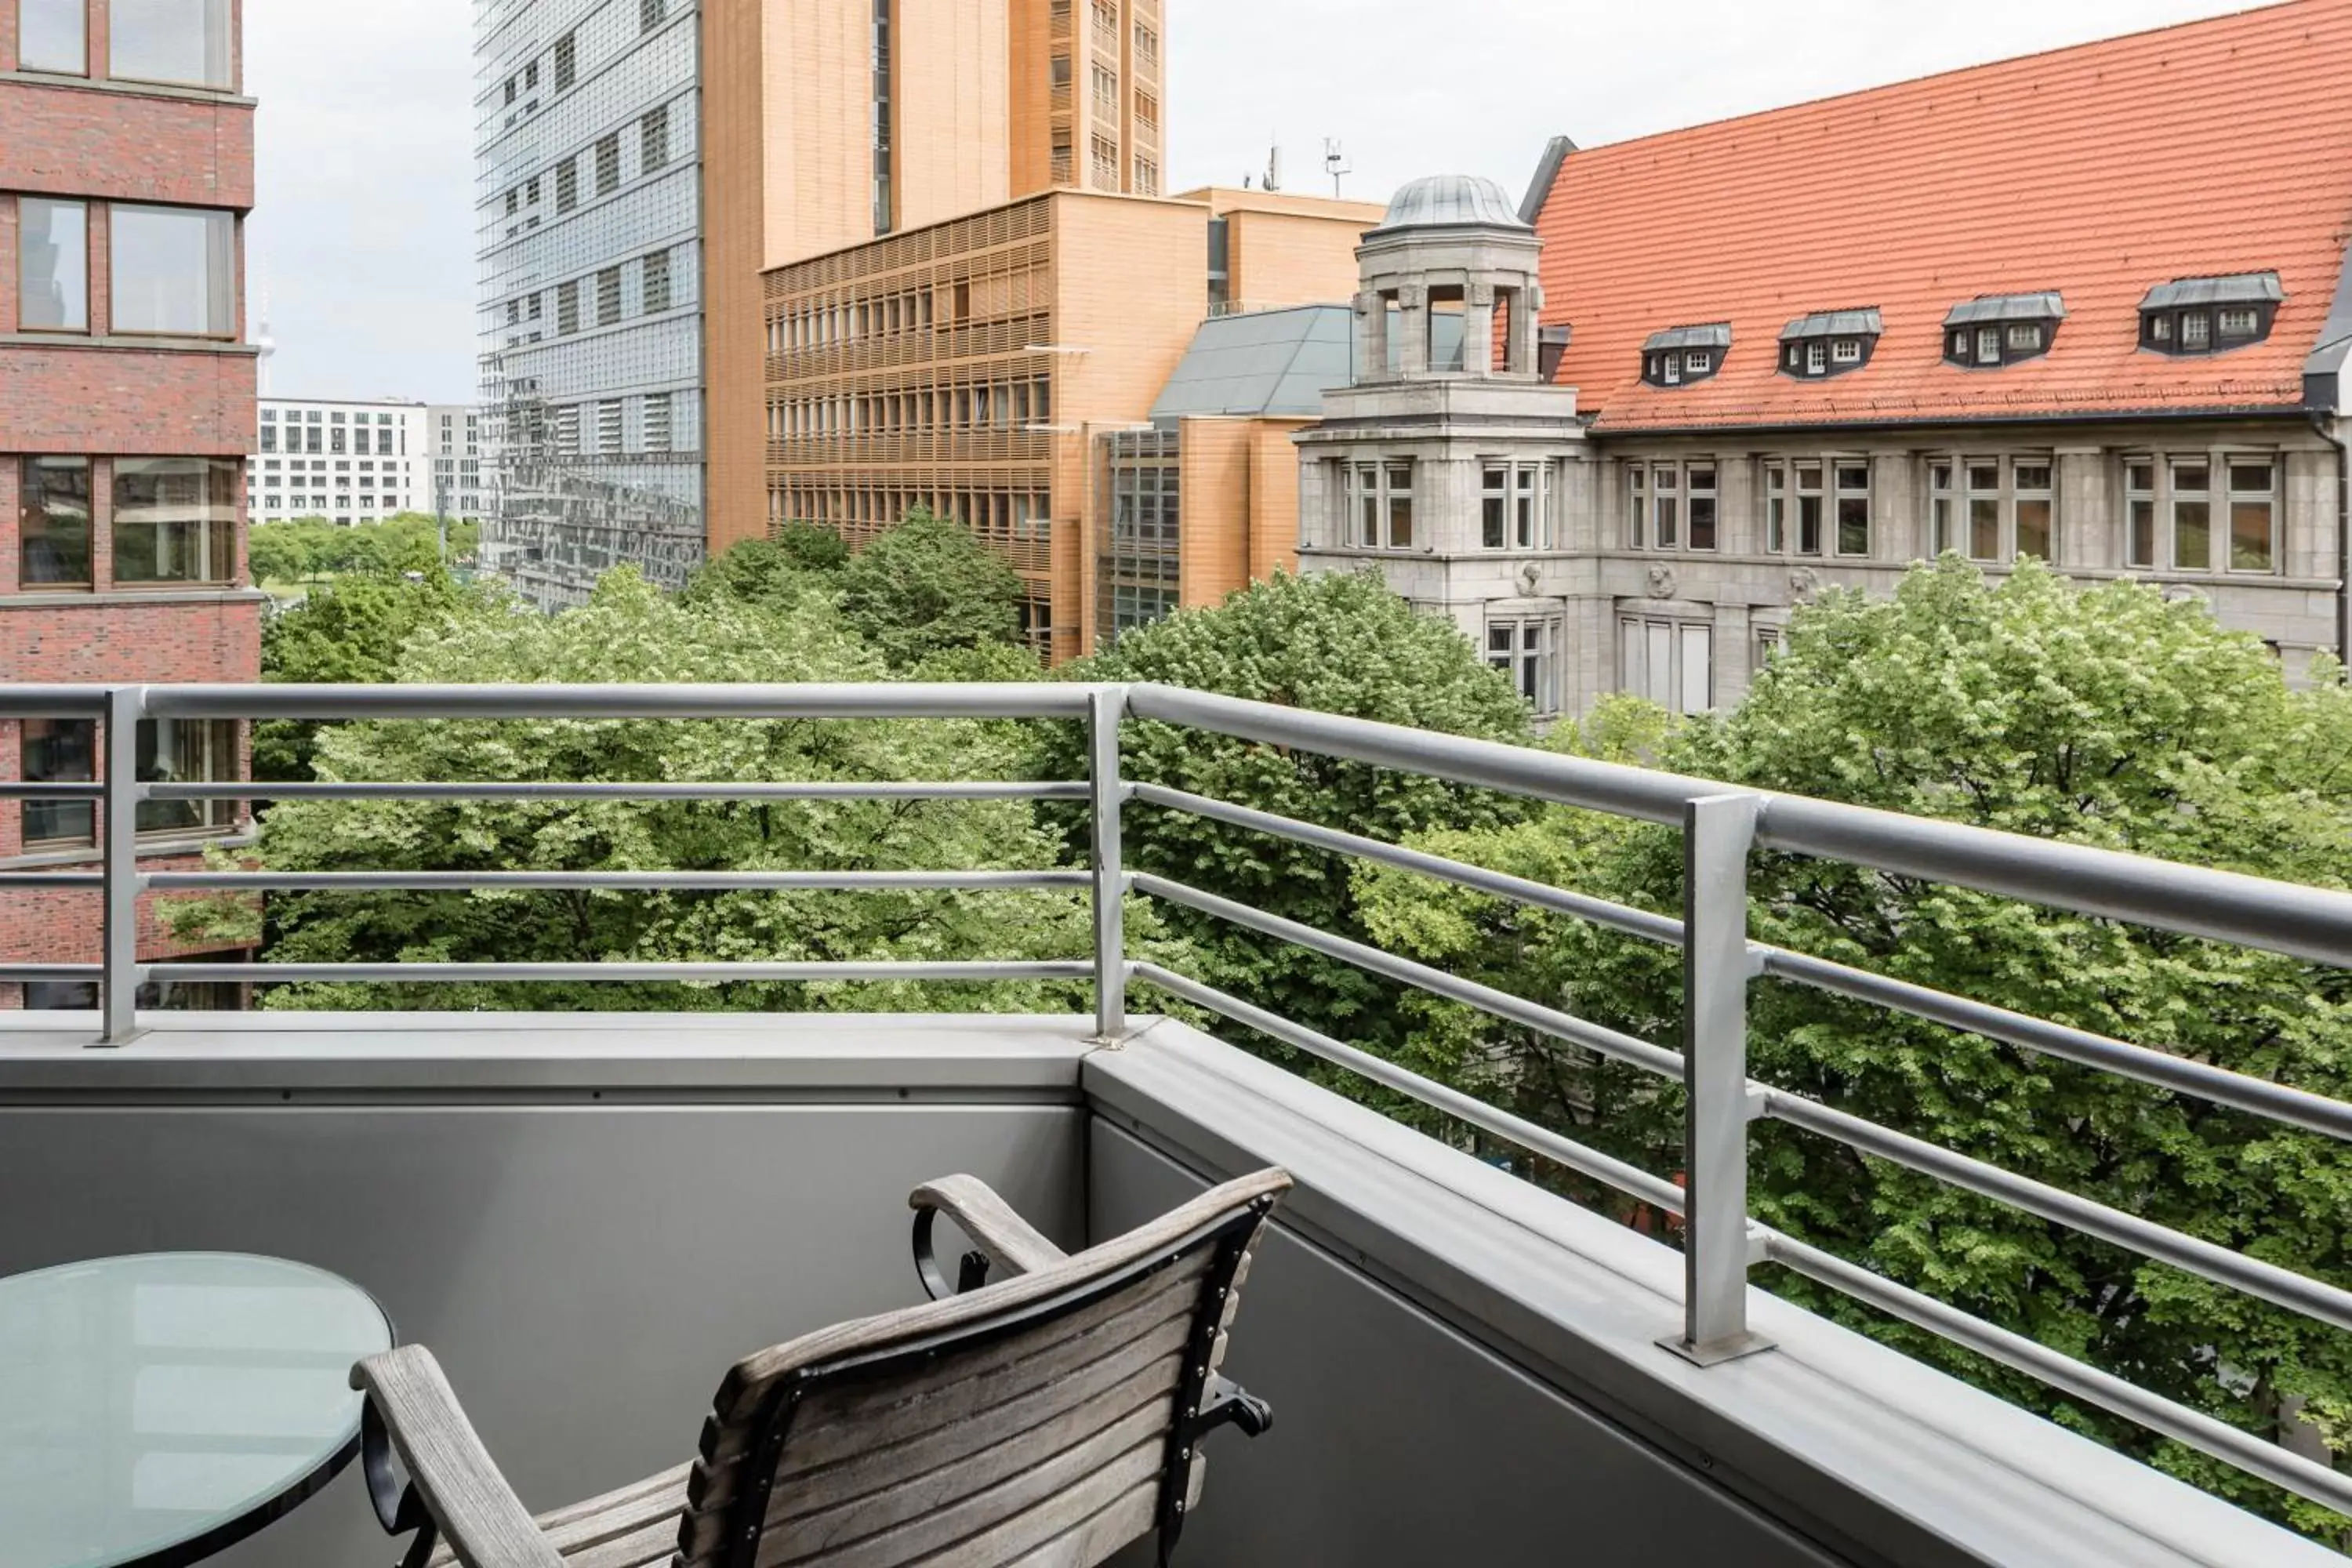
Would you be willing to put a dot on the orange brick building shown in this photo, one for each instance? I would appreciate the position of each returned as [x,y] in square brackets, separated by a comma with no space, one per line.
[992,367]
[126,410]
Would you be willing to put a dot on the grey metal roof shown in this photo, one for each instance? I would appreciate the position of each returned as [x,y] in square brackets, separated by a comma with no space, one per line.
[2048,307]
[1268,362]
[2239,289]
[1716,335]
[1835,325]
[1453,201]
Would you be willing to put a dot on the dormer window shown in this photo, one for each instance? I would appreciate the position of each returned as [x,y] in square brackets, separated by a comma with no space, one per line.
[2210,315]
[1994,329]
[1683,354]
[1830,343]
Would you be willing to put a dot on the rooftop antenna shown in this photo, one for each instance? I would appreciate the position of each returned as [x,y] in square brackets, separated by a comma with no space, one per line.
[1335,162]
[1273,168]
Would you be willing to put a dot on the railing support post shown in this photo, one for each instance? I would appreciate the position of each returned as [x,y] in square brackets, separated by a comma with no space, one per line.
[1109,796]
[1718,833]
[117,985]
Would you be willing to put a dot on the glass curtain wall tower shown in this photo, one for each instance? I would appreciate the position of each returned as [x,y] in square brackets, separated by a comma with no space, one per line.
[588,227]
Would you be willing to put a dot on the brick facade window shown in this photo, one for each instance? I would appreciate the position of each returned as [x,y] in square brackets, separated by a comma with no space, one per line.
[59,751]
[52,265]
[53,36]
[174,270]
[53,528]
[174,520]
[181,41]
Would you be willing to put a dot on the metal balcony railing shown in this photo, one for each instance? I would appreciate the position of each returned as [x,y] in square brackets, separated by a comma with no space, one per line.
[1722,828]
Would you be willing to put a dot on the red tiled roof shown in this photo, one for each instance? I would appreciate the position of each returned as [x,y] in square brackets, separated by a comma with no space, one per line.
[2218,147]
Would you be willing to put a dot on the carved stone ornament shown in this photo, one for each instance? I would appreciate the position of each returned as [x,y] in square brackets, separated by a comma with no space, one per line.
[1530,578]
[1482,296]
[1804,583]
[1662,582]
[1413,296]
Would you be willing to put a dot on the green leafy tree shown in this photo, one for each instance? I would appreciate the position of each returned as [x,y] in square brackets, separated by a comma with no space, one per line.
[2103,716]
[758,571]
[1338,643]
[631,633]
[350,632]
[926,586]
[812,548]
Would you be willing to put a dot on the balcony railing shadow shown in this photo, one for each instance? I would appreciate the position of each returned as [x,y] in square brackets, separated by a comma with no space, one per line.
[1467,1366]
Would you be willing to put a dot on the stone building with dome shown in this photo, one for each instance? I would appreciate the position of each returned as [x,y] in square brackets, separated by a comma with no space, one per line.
[1710,373]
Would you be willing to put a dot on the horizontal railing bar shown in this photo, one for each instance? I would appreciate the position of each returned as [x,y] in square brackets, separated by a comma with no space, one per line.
[2260,1097]
[81,790]
[2207,1260]
[52,702]
[691,974]
[25,881]
[980,700]
[1485,998]
[1499,884]
[2307,922]
[628,882]
[631,792]
[2225,1442]
[1630,1180]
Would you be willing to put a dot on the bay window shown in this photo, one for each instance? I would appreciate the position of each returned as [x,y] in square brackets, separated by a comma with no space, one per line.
[53,523]
[174,520]
[174,270]
[52,265]
[181,41]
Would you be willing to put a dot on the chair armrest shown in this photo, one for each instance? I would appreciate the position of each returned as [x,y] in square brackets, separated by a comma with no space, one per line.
[469,1501]
[989,1220]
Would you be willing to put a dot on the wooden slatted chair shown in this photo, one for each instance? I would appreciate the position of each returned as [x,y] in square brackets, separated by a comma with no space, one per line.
[1044,1421]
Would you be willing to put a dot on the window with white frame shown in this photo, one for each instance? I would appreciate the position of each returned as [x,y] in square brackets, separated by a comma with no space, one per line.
[1380,505]
[2139,512]
[2254,514]
[1514,513]
[2192,514]
[1992,509]
[1852,507]
[1674,505]
[1672,663]
[1526,650]
[1799,503]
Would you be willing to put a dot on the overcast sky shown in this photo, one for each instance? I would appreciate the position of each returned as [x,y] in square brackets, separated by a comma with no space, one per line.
[363,238]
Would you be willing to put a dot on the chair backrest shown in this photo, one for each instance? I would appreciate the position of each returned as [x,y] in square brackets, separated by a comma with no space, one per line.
[1044,1420]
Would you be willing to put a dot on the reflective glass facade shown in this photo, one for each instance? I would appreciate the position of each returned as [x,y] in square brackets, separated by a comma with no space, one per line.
[589,233]
[1137,576]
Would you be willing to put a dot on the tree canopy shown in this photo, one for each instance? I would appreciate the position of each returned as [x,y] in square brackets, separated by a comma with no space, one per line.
[304,550]
[1336,644]
[2104,716]
[926,586]
[629,632]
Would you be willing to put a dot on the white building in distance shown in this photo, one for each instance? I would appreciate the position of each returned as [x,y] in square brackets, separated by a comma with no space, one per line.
[349,461]
[454,440]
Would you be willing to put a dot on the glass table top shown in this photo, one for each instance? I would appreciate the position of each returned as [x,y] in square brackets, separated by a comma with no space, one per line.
[153,1409]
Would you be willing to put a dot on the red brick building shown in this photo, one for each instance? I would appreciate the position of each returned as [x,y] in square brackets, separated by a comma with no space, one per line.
[126,409]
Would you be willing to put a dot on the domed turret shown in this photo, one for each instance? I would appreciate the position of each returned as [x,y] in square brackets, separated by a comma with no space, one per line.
[1452,201]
